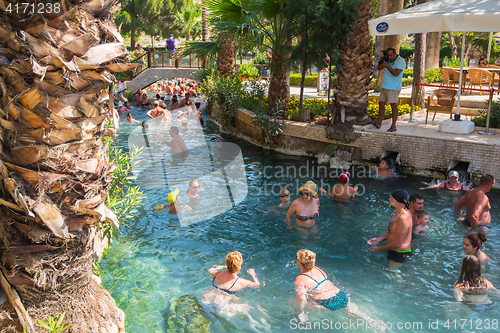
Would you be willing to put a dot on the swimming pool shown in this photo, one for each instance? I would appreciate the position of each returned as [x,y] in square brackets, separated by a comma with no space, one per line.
[157,270]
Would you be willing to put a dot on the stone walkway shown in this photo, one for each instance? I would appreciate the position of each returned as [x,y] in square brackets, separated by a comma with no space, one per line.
[430,130]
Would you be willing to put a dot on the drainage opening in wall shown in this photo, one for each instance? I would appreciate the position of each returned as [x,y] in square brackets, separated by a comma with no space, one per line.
[462,168]
[394,157]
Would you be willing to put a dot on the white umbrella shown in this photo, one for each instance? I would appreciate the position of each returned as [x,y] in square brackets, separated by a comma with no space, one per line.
[442,15]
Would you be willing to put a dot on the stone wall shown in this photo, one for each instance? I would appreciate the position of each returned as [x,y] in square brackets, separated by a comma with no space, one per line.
[417,154]
[297,138]
[424,155]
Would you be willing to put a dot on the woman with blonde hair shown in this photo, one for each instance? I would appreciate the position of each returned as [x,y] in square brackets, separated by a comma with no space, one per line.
[313,285]
[227,282]
[306,208]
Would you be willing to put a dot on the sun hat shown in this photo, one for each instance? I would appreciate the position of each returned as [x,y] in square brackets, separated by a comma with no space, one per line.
[172,196]
[344,177]
[453,173]
[309,186]
[120,103]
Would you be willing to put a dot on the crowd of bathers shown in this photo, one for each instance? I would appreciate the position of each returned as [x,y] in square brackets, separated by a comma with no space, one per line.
[170,95]
[312,286]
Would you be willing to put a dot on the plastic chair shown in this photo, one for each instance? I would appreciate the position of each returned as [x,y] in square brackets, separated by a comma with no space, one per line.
[480,77]
[441,100]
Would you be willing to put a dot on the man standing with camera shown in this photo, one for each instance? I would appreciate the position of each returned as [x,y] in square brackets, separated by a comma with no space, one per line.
[392,82]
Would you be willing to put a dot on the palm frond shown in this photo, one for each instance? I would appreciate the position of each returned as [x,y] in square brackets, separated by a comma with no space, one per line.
[201,49]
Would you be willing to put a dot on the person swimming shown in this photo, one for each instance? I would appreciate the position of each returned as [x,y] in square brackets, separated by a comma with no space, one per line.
[342,192]
[306,209]
[313,287]
[451,185]
[470,286]
[226,283]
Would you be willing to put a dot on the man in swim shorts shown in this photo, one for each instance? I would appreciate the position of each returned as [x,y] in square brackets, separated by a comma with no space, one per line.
[416,205]
[400,229]
[477,203]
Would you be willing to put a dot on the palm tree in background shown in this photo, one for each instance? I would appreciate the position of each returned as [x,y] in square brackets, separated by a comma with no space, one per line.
[189,19]
[259,24]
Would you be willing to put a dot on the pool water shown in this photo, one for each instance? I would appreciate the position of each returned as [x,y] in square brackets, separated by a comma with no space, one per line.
[157,270]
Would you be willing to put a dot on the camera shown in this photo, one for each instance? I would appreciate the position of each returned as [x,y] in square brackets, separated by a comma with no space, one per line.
[384,57]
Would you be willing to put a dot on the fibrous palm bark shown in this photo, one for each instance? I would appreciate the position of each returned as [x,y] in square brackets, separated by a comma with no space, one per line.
[225,56]
[54,172]
[353,80]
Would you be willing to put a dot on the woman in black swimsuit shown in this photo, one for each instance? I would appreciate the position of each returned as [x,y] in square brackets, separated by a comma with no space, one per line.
[227,282]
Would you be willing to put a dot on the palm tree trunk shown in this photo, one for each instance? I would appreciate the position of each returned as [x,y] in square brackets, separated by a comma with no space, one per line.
[225,57]
[54,171]
[278,85]
[353,79]
[204,26]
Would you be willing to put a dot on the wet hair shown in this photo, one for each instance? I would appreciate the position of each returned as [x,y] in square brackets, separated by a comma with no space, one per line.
[234,261]
[487,179]
[421,214]
[387,161]
[187,95]
[174,129]
[415,196]
[307,258]
[476,240]
[145,124]
[174,99]
[129,114]
[470,274]
[284,192]
[158,96]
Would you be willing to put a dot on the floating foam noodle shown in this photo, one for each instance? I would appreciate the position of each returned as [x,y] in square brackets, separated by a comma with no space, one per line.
[218,166]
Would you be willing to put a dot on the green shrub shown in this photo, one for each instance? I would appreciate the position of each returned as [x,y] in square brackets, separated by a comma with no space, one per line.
[310,80]
[402,109]
[407,81]
[453,62]
[408,73]
[494,118]
[248,70]
[123,198]
[226,93]
[433,75]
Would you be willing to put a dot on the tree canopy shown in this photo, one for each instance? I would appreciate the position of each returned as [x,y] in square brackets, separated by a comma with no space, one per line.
[153,17]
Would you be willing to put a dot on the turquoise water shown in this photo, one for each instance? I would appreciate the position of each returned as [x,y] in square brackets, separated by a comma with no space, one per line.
[157,270]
